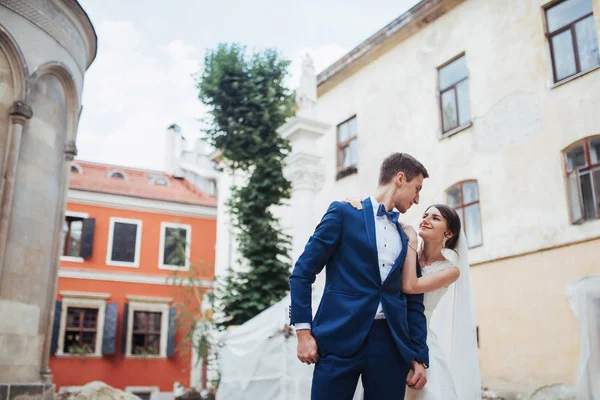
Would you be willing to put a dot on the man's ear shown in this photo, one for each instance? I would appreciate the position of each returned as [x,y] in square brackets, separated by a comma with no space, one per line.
[400,178]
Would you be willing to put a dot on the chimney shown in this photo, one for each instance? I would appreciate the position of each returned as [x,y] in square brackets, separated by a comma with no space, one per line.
[172,148]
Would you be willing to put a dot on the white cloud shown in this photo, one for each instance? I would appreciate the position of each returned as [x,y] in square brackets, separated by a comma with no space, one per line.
[134,91]
[132,95]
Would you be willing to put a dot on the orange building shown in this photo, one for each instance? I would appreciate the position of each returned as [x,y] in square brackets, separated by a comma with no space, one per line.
[115,312]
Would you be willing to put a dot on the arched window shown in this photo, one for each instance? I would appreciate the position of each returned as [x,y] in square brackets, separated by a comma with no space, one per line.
[117,175]
[582,166]
[76,169]
[464,198]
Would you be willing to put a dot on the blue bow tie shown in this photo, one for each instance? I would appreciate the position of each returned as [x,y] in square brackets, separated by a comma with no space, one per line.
[392,215]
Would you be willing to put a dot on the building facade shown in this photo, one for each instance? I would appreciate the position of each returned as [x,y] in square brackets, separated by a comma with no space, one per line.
[45,48]
[116,305]
[498,100]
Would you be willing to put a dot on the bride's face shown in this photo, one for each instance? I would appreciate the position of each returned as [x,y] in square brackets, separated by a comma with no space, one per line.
[433,226]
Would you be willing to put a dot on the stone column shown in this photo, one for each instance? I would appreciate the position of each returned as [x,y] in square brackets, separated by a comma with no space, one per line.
[305,172]
[47,314]
[19,114]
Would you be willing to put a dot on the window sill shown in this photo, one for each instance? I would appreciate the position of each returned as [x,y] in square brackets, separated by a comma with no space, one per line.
[78,355]
[148,357]
[174,268]
[573,77]
[72,259]
[122,264]
[456,130]
[346,172]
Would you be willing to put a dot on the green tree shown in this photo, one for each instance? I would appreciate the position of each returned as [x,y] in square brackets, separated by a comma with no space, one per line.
[248,101]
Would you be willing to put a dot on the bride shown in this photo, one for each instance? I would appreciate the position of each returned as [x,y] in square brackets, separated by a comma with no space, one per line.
[453,372]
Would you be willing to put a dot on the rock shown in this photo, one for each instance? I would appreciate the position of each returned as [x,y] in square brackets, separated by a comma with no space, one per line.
[97,391]
[554,392]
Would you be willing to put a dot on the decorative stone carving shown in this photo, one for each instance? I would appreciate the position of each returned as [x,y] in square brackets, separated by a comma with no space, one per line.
[51,20]
[304,171]
[20,112]
[306,94]
[70,150]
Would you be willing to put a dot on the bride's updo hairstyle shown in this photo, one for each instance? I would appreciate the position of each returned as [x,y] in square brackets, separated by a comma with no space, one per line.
[452,221]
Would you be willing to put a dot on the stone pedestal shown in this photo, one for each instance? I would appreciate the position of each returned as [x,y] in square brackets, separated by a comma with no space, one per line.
[305,171]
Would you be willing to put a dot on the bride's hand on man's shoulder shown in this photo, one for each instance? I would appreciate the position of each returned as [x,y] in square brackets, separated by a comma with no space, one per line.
[410,232]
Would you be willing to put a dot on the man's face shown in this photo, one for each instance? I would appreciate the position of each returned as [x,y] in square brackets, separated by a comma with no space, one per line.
[408,192]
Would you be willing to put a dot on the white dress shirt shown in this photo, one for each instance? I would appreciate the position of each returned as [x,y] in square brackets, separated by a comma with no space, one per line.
[389,247]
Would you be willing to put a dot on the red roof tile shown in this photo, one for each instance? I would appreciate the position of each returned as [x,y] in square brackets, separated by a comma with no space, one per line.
[95,177]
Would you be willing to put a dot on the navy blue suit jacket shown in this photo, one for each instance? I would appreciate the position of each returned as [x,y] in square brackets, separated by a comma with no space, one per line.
[345,241]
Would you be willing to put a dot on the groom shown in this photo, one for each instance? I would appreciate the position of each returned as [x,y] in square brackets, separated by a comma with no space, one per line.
[364,324]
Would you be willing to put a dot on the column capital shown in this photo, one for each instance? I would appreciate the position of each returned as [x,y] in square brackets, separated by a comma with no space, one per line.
[70,150]
[20,112]
[304,171]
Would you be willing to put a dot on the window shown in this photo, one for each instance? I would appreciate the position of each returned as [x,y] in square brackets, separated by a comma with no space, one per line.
[79,237]
[582,164]
[79,324]
[146,333]
[454,95]
[75,169]
[81,330]
[160,181]
[212,188]
[572,38]
[347,148]
[175,242]
[149,327]
[464,198]
[143,392]
[117,175]
[124,242]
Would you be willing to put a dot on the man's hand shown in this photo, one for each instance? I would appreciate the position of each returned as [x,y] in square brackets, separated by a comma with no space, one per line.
[418,380]
[307,347]
[411,234]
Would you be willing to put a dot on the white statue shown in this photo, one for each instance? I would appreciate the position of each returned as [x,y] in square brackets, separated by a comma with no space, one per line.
[306,94]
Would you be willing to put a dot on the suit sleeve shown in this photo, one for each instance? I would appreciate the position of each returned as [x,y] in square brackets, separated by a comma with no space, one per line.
[317,252]
[417,325]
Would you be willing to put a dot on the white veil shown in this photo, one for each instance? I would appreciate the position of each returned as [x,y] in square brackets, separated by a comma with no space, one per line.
[453,322]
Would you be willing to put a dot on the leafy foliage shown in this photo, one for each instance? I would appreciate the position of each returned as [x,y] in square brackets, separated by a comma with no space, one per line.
[248,101]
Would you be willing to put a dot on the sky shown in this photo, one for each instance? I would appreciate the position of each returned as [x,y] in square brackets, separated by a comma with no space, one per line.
[142,80]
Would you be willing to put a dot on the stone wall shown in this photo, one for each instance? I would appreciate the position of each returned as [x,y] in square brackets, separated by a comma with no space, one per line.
[45,46]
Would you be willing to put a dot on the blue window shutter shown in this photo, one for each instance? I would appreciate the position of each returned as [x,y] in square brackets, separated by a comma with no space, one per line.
[172,331]
[124,329]
[56,327]
[110,329]
[87,238]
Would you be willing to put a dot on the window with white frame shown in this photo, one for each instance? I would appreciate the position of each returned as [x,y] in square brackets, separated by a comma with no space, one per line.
[117,175]
[582,165]
[147,324]
[79,236]
[175,240]
[143,392]
[81,329]
[124,242]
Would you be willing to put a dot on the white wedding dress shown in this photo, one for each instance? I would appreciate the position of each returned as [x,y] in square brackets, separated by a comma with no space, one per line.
[440,385]
[453,372]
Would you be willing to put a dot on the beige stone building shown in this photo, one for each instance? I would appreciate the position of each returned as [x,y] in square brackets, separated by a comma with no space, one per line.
[500,101]
[45,48]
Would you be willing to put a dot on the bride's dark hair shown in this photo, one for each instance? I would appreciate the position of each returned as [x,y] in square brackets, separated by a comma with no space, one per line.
[453,222]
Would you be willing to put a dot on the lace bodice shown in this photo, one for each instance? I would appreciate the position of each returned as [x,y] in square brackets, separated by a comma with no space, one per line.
[431,299]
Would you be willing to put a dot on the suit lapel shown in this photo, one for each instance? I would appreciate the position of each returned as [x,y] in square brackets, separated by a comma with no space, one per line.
[402,255]
[370,227]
